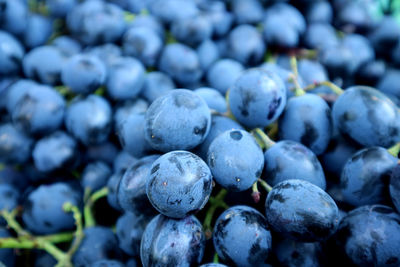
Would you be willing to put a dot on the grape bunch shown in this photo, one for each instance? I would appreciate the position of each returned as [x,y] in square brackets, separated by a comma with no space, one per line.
[203,133]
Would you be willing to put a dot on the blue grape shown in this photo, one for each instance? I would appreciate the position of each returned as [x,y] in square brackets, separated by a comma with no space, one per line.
[67,45]
[394,187]
[155,85]
[219,124]
[300,210]
[127,108]
[44,214]
[169,10]
[131,133]
[105,248]
[246,11]
[148,21]
[208,53]
[291,160]
[112,185]
[106,152]
[292,253]
[369,236]
[9,198]
[11,54]
[14,16]
[179,184]
[143,43]
[181,63]
[367,116]
[245,44]
[83,74]
[307,119]
[192,30]
[178,120]
[365,175]
[96,22]
[131,190]
[320,11]
[223,73]
[235,159]
[15,146]
[257,98]
[89,119]
[38,31]
[107,263]
[60,8]
[129,230]
[213,98]
[108,53]
[312,36]
[284,74]
[54,152]
[171,242]
[44,64]
[361,49]
[95,176]
[122,161]
[241,237]
[39,110]
[125,78]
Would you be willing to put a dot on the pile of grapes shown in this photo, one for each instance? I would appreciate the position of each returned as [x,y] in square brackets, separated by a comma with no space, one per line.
[199,133]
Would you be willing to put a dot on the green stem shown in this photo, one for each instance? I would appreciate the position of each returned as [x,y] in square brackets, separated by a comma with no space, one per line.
[79,235]
[87,210]
[215,260]
[264,184]
[264,138]
[128,16]
[12,223]
[295,77]
[394,150]
[216,202]
[336,89]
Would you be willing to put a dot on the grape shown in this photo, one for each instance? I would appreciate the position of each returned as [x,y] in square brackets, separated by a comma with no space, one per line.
[10,59]
[89,119]
[367,116]
[179,184]
[394,187]
[106,247]
[301,211]
[179,120]
[241,236]
[83,73]
[291,160]
[257,98]
[54,152]
[44,212]
[143,43]
[369,235]
[365,176]
[307,120]
[235,159]
[131,190]
[171,242]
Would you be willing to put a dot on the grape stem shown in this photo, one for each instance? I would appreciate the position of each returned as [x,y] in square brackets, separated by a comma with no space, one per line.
[266,141]
[336,89]
[256,194]
[264,184]
[78,235]
[294,78]
[394,150]
[216,202]
[89,203]
[26,240]
[216,260]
